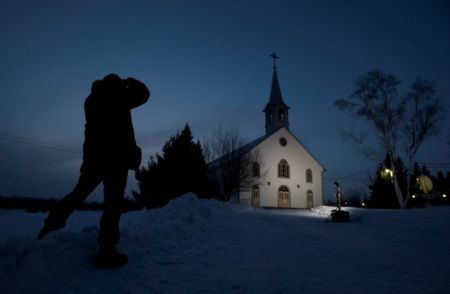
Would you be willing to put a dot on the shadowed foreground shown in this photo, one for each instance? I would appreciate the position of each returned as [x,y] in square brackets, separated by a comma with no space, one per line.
[204,246]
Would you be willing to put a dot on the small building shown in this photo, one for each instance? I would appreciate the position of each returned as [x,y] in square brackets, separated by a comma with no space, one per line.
[289,176]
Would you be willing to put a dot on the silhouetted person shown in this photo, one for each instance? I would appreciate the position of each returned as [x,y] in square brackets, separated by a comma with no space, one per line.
[109,151]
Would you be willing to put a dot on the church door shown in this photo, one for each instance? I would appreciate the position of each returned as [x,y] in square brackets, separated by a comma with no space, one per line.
[284,197]
[255,196]
[309,199]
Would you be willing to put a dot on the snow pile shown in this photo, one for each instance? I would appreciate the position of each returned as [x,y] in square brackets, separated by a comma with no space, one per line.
[322,210]
[183,217]
[205,246]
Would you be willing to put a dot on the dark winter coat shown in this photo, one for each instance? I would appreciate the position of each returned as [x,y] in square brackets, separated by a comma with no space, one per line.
[109,134]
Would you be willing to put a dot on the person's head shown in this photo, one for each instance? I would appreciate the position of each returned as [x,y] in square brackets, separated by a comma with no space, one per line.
[112,78]
[110,84]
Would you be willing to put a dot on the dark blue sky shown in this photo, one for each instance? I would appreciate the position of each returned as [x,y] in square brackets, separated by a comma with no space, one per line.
[206,63]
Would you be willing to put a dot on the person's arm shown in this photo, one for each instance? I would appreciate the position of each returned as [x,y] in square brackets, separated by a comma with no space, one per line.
[136,92]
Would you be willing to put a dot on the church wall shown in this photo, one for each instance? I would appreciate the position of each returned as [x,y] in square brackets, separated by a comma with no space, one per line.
[299,160]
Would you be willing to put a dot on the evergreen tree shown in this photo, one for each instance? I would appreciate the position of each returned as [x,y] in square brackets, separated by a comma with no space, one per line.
[181,168]
[417,171]
[425,171]
[382,189]
[441,188]
[440,183]
[447,185]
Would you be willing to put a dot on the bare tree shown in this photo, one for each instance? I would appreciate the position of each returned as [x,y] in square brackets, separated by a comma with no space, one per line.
[230,161]
[421,120]
[411,118]
[375,99]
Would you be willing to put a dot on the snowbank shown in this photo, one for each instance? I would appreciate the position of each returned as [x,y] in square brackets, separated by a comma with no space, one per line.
[205,246]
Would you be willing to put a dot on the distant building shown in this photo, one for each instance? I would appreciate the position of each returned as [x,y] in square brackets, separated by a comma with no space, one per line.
[289,175]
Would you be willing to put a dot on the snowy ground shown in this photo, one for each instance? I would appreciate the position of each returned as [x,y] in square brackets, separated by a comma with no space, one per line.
[204,246]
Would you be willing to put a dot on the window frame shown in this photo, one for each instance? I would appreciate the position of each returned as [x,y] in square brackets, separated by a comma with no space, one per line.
[284,169]
[309,176]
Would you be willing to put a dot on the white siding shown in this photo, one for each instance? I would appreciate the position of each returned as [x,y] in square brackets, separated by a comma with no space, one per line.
[299,160]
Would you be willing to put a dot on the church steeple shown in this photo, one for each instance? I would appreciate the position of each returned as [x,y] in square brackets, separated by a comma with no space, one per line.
[276,110]
[275,92]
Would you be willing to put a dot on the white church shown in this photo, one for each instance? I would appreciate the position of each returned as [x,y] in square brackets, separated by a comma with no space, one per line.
[289,175]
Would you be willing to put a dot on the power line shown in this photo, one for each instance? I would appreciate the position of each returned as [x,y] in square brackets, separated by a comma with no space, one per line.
[18,139]
[435,163]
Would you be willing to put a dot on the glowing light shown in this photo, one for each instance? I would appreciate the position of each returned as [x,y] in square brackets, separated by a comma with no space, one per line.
[444,195]
[413,196]
[388,172]
[363,204]
[425,183]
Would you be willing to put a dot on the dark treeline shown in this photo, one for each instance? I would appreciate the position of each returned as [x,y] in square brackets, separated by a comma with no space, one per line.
[380,191]
[382,194]
[45,204]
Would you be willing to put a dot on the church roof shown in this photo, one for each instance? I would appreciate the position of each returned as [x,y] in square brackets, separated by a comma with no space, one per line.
[241,151]
[249,146]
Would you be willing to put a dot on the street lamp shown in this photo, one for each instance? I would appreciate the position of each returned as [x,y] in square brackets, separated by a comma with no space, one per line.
[338,195]
[388,172]
[338,215]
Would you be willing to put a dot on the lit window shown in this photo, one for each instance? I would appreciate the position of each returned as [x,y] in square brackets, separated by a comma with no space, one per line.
[309,176]
[283,169]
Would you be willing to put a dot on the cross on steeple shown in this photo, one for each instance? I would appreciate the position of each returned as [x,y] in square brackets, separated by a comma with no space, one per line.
[275,57]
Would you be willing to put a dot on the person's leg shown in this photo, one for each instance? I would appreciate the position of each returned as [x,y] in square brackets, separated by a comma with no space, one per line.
[63,209]
[114,182]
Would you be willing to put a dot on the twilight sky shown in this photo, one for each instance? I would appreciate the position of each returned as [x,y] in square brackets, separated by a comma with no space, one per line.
[206,63]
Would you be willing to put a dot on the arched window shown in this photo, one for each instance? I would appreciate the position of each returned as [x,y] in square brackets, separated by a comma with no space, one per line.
[255,169]
[309,176]
[255,196]
[309,199]
[283,169]
[281,115]
[284,197]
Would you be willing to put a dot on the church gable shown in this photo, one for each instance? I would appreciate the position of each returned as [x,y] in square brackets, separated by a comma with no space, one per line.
[284,143]
[292,177]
